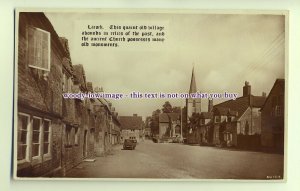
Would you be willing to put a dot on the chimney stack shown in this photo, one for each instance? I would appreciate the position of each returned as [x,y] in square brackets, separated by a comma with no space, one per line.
[264,94]
[134,115]
[246,89]
[210,105]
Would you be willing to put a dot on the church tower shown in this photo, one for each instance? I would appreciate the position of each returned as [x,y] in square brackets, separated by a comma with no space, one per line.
[193,105]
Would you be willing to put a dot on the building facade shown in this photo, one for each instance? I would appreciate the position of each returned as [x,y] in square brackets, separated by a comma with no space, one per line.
[169,125]
[231,123]
[55,134]
[272,133]
[39,119]
[131,127]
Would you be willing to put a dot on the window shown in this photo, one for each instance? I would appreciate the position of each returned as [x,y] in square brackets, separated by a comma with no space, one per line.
[77,136]
[277,106]
[67,83]
[217,119]
[278,111]
[36,136]
[202,121]
[47,137]
[70,83]
[229,118]
[68,135]
[64,82]
[39,48]
[23,139]
[247,128]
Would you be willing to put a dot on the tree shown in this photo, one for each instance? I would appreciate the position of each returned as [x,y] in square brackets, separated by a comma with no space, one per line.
[194,121]
[184,121]
[154,122]
[167,107]
[176,110]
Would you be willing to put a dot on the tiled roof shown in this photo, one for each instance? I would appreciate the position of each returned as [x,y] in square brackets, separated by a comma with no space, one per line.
[232,113]
[241,104]
[257,101]
[164,117]
[221,110]
[131,122]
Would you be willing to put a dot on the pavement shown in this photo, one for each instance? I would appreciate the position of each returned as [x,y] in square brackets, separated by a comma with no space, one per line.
[172,160]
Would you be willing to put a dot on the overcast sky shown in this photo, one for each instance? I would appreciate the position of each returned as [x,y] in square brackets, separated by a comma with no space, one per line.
[226,50]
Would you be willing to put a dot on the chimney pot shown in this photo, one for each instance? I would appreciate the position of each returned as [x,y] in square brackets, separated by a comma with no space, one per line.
[210,105]
[246,89]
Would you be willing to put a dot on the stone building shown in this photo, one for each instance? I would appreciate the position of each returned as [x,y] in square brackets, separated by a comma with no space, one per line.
[238,122]
[231,123]
[131,127]
[56,134]
[71,154]
[169,125]
[39,118]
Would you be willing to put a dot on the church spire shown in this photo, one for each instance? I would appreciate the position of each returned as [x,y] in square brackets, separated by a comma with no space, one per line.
[193,87]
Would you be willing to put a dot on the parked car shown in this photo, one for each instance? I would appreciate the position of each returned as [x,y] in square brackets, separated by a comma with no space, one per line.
[134,139]
[129,144]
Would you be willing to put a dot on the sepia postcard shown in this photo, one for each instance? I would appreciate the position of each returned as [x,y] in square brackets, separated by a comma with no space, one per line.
[150,94]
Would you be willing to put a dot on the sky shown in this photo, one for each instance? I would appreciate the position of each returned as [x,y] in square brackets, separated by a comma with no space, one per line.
[225,49]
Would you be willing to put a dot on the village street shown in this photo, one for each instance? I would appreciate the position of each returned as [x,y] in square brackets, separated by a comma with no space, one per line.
[170,160]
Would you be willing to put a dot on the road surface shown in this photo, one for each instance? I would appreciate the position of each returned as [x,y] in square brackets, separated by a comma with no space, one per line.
[170,160]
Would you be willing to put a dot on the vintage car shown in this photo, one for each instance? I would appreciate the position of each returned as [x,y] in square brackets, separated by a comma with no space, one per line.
[129,144]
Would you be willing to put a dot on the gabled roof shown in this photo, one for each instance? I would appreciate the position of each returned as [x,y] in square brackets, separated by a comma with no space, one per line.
[241,104]
[131,122]
[278,82]
[165,117]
